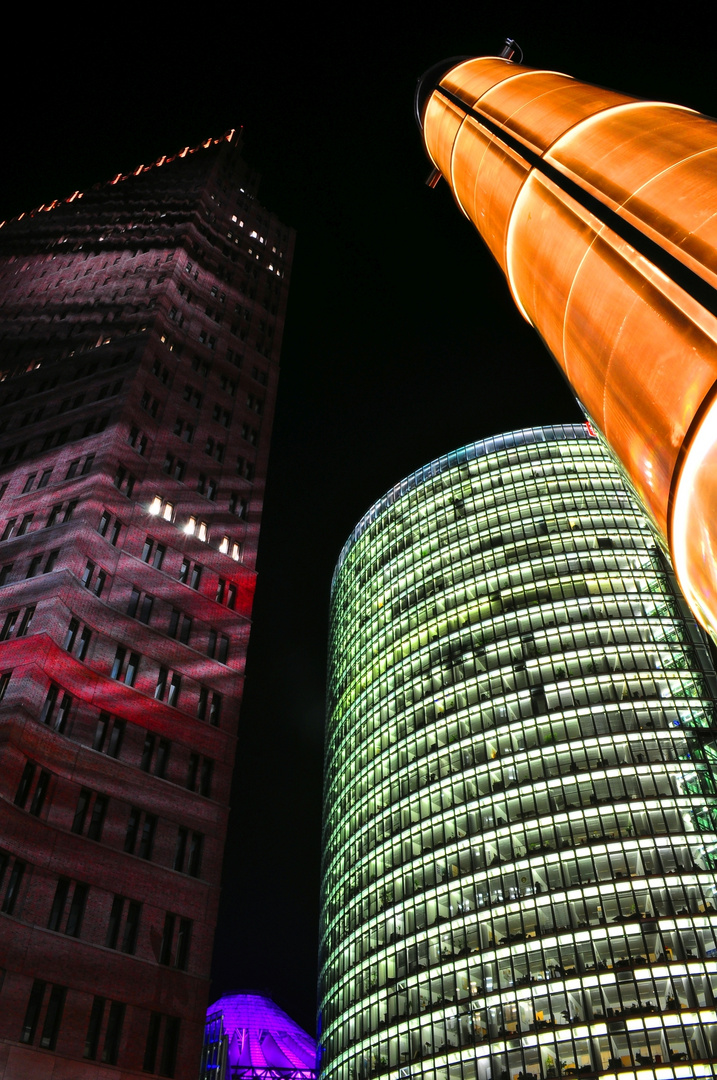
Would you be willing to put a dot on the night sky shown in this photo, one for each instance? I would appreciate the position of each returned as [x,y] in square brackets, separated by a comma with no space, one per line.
[401,342]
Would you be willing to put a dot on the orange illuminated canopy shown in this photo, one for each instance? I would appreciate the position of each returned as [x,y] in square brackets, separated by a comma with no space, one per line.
[601,211]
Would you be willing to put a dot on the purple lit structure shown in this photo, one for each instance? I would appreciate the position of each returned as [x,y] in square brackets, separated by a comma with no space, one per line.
[248,1037]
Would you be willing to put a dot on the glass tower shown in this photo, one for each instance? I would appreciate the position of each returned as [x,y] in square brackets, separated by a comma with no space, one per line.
[520,809]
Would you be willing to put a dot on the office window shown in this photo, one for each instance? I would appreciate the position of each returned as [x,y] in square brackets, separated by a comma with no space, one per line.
[184,571]
[159,507]
[165,948]
[101,730]
[38,799]
[104,524]
[196,576]
[87,465]
[72,470]
[113,926]
[130,839]
[162,762]
[4,681]
[113,1034]
[29,482]
[99,582]
[71,635]
[152,1043]
[218,646]
[146,842]
[115,728]
[137,440]
[245,468]
[53,715]
[97,818]
[83,805]
[180,849]
[26,621]
[77,910]
[161,686]
[85,638]
[194,861]
[7,531]
[145,610]
[44,479]
[147,752]
[23,788]
[184,935]
[118,662]
[215,709]
[9,625]
[192,772]
[51,561]
[53,1018]
[149,404]
[153,553]
[6,570]
[169,1046]
[94,1027]
[174,690]
[34,566]
[131,927]
[13,888]
[32,1013]
[86,573]
[205,778]
[132,669]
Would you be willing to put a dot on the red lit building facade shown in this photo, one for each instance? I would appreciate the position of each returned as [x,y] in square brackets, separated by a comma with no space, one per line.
[140,328]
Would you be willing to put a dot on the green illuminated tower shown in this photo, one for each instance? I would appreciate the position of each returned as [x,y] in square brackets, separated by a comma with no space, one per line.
[519,847]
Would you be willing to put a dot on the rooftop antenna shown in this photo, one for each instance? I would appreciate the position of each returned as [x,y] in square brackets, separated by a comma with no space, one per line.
[509,50]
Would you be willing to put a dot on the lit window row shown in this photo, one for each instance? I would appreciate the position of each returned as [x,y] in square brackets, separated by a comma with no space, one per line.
[520,826]
[160,507]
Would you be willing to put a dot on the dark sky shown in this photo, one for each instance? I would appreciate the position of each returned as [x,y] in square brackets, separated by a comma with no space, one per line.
[401,341]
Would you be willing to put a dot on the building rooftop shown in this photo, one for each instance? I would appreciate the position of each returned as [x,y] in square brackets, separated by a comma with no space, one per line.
[263,1041]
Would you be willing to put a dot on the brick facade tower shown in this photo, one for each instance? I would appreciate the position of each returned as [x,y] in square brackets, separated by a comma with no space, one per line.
[140,327]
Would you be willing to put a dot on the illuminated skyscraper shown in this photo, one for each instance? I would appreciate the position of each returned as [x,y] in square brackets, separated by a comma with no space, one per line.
[519,850]
[140,327]
[601,210]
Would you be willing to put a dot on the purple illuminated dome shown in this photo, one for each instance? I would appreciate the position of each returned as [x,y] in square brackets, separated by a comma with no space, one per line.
[249,1036]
